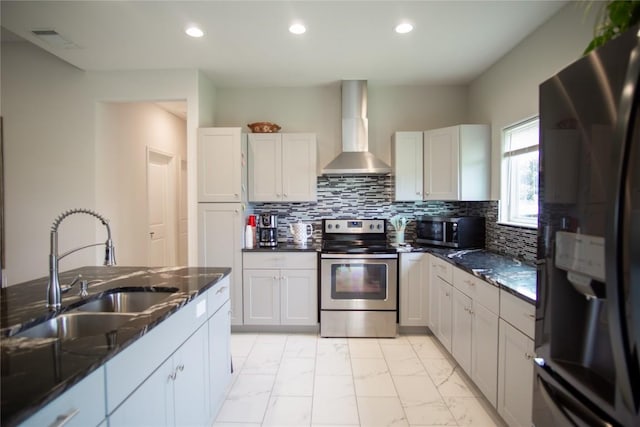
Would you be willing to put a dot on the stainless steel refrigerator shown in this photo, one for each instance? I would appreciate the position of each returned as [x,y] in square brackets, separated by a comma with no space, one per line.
[587,369]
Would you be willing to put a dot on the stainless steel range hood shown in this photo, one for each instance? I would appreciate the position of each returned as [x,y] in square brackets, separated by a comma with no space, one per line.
[355,158]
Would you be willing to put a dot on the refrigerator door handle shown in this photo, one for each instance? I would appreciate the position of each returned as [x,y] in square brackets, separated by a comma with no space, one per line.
[627,369]
[564,407]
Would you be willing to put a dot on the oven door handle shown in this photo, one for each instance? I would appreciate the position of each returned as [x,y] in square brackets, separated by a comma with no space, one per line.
[358,256]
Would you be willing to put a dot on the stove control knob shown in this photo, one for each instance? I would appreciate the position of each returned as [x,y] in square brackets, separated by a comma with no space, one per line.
[337,226]
[370,226]
[379,226]
[329,226]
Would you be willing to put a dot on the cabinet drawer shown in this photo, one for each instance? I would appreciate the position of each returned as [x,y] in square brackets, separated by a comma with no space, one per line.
[83,405]
[290,260]
[519,313]
[476,288]
[442,268]
[217,296]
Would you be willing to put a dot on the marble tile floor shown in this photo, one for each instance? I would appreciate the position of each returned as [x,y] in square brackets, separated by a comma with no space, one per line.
[304,380]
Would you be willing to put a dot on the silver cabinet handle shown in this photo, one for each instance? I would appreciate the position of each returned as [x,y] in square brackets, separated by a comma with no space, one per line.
[63,419]
[181,367]
[528,356]
[221,290]
[151,234]
[172,376]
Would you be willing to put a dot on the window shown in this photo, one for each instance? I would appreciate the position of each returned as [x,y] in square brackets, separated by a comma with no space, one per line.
[519,201]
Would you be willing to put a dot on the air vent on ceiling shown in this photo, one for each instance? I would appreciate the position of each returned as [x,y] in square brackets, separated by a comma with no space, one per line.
[53,38]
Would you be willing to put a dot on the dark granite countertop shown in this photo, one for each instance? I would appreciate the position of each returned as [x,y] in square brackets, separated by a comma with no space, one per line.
[287,247]
[36,371]
[509,274]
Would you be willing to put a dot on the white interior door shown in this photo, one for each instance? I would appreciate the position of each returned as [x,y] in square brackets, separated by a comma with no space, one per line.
[161,198]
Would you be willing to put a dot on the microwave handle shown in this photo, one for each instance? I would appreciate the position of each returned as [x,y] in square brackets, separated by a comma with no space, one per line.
[444,231]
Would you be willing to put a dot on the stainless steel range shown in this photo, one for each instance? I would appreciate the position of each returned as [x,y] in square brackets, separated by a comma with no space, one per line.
[358,279]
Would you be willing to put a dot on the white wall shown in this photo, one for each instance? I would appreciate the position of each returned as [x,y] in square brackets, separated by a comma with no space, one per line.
[124,131]
[49,110]
[318,110]
[508,92]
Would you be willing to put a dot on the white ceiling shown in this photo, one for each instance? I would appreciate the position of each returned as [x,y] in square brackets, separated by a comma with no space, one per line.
[247,43]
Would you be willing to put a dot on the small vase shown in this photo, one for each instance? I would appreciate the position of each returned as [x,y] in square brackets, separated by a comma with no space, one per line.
[399,237]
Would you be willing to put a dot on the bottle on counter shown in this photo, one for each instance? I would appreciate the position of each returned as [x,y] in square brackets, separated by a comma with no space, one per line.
[248,237]
[250,234]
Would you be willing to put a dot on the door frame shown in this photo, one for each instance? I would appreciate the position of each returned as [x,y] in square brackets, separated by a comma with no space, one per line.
[172,202]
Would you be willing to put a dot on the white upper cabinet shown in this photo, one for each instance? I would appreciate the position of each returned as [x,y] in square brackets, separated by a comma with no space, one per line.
[221,165]
[457,163]
[407,157]
[282,167]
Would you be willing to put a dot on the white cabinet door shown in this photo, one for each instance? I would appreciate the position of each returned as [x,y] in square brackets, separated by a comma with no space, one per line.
[220,245]
[461,329]
[219,357]
[265,167]
[299,293]
[151,404]
[407,154]
[484,351]
[191,384]
[81,405]
[445,301]
[261,297]
[299,180]
[434,290]
[457,163]
[515,376]
[221,165]
[282,167]
[441,164]
[176,394]
[414,289]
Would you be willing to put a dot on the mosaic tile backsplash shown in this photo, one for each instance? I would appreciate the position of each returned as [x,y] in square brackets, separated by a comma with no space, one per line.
[372,197]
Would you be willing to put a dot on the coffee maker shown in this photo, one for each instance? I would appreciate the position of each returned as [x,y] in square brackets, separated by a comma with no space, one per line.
[267,230]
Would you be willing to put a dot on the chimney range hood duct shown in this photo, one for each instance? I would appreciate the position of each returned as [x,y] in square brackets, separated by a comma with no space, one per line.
[355,158]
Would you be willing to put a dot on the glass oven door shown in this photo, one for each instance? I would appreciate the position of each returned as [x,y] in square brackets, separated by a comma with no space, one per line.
[359,282]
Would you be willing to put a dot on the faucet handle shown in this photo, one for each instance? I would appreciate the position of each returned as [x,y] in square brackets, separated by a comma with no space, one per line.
[67,288]
[84,286]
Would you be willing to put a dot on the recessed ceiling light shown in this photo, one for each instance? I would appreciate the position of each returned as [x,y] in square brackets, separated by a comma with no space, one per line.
[404,28]
[297,29]
[194,31]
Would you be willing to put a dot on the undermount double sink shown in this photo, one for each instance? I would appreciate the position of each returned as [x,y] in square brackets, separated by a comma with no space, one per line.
[99,316]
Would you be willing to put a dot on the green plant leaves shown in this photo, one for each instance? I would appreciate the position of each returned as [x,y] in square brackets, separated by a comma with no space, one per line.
[620,16]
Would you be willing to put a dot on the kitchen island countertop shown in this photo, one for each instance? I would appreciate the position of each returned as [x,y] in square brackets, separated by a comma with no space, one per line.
[36,371]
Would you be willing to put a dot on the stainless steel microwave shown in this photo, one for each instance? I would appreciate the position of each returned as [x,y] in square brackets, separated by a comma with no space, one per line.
[451,232]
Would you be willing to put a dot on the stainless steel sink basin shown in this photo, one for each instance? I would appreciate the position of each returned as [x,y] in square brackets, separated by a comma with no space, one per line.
[125,302]
[77,325]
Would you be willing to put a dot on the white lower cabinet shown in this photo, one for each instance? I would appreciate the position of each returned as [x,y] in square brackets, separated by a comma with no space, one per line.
[280,288]
[461,330]
[484,351]
[219,358]
[489,333]
[515,376]
[414,289]
[444,328]
[475,330]
[164,379]
[175,394]
[280,297]
[81,405]
[516,353]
